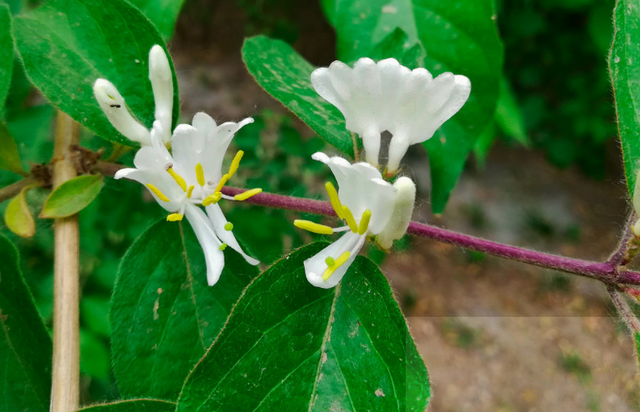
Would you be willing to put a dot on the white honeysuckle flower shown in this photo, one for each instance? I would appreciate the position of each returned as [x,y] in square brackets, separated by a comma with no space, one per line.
[365,202]
[114,107]
[386,96]
[402,211]
[192,176]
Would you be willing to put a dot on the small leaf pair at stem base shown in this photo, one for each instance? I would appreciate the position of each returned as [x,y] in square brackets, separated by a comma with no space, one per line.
[25,345]
[290,346]
[72,196]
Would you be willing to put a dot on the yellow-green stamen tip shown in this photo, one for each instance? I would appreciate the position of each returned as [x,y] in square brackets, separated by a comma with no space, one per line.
[223,246]
[246,195]
[222,182]
[179,180]
[228,226]
[364,222]
[313,227]
[335,200]
[236,163]
[174,217]
[200,174]
[330,261]
[212,199]
[338,262]
[158,193]
[348,217]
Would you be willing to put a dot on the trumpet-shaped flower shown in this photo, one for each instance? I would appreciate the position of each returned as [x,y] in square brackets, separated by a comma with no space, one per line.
[365,202]
[114,107]
[386,96]
[190,177]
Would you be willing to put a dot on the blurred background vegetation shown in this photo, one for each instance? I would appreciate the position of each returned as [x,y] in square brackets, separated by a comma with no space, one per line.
[556,99]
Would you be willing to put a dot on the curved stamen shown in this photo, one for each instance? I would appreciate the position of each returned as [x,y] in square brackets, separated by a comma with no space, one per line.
[158,193]
[337,263]
[313,227]
[348,217]
[335,200]
[364,222]
[200,174]
[174,217]
[212,199]
[246,195]
[179,180]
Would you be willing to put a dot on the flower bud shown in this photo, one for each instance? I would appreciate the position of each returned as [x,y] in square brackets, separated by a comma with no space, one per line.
[162,84]
[113,105]
[402,211]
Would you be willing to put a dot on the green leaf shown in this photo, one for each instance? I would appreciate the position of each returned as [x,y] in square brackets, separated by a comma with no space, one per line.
[163,314]
[398,46]
[94,356]
[508,115]
[459,36]
[136,405]
[329,9]
[162,13]
[72,196]
[94,312]
[25,345]
[66,45]
[18,217]
[483,145]
[6,54]
[286,76]
[290,346]
[624,65]
[636,339]
[9,157]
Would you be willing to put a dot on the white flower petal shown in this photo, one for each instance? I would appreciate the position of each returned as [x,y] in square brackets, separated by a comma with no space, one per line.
[155,156]
[185,142]
[219,221]
[115,108]
[165,184]
[162,84]
[203,229]
[401,217]
[315,266]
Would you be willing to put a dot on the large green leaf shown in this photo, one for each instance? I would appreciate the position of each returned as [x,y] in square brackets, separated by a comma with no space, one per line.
[624,64]
[6,53]
[25,345]
[163,314]
[72,196]
[66,45]
[162,13]
[459,36]
[289,346]
[136,405]
[286,75]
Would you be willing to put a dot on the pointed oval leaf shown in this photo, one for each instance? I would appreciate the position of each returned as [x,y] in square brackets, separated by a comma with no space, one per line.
[135,405]
[66,45]
[290,346]
[624,65]
[163,314]
[18,217]
[25,345]
[72,196]
[9,156]
[286,76]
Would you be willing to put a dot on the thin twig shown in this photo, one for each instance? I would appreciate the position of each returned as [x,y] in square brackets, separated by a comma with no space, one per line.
[624,310]
[13,189]
[607,272]
[621,255]
[65,391]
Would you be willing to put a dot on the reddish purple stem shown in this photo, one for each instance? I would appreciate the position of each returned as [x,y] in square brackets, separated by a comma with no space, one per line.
[607,272]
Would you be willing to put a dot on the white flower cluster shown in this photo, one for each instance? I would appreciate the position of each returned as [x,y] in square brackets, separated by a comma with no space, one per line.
[377,97]
[373,97]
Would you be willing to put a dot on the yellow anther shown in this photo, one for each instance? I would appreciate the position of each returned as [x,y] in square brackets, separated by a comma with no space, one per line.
[222,182]
[157,192]
[235,163]
[348,217]
[330,261]
[200,174]
[364,222]
[338,262]
[179,180]
[246,195]
[174,217]
[222,246]
[228,226]
[335,200]
[190,191]
[212,199]
[313,227]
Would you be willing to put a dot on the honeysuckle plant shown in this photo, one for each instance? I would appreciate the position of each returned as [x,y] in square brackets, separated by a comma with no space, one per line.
[195,321]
